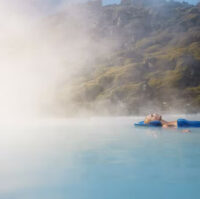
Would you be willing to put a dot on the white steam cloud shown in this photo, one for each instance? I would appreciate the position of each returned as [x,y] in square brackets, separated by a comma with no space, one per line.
[37,51]
[26,60]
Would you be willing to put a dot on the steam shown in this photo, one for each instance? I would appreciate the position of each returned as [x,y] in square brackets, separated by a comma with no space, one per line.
[42,47]
[38,51]
[25,58]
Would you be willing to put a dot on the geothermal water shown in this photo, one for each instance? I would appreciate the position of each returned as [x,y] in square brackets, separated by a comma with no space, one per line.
[98,158]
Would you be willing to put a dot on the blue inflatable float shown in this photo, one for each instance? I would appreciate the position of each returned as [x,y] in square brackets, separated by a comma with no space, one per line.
[181,123]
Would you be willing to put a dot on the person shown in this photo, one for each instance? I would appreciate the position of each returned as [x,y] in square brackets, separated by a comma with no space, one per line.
[158,117]
[179,123]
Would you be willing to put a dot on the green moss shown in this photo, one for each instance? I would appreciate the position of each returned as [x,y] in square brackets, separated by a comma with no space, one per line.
[172,78]
[194,49]
[153,48]
[155,83]
[194,91]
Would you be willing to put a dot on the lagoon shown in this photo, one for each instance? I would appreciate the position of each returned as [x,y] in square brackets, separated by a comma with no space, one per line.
[98,158]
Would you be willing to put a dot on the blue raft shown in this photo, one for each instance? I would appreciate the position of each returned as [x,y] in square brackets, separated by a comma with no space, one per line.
[182,123]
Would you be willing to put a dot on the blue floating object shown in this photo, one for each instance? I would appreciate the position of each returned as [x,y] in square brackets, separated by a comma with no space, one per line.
[183,123]
[150,124]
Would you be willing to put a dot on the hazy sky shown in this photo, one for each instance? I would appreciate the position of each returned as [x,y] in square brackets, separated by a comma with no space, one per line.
[48,6]
[117,1]
[57,2]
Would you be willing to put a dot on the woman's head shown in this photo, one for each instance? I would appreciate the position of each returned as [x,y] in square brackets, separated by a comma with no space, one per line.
[152,117]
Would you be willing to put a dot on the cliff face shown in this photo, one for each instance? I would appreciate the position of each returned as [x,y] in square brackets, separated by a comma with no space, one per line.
[154,62]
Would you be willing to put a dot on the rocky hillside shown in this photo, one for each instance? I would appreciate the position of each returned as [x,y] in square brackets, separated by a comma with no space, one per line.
[154,63]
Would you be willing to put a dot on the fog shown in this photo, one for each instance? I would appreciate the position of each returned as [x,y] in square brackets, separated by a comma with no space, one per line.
[38,51]
[43,45]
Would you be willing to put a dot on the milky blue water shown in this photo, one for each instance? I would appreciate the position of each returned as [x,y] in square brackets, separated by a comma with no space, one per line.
[98,159]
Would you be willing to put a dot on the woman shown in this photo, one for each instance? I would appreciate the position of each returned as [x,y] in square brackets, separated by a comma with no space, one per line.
[180,123]
[157,117]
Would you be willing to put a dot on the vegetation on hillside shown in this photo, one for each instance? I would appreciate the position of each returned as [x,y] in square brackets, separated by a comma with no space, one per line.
[155,63]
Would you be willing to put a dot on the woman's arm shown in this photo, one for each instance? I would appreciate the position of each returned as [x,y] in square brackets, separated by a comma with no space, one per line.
[174,124]
[169,124]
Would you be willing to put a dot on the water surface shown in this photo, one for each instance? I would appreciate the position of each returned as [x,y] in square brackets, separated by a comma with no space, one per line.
[98,158]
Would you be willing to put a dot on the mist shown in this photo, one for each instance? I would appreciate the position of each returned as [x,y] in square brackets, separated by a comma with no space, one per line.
[39,50]
[27,61]
[79,58]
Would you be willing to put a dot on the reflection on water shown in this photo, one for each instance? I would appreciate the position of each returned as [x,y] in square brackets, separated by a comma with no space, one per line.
[98,158]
